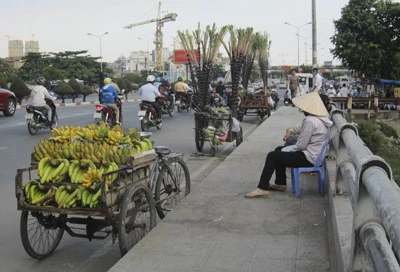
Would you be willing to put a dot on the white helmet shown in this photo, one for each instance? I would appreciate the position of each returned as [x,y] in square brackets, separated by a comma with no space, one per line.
[150,78]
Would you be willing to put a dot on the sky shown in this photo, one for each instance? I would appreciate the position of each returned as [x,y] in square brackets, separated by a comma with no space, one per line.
[62,25]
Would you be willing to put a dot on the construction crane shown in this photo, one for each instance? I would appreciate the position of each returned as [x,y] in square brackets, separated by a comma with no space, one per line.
[159,36]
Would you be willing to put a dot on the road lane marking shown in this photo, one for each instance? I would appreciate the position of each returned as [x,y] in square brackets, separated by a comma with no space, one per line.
[4,147]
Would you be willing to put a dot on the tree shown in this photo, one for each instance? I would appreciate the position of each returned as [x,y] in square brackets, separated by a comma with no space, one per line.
[76,88]
[20,89]
[6,68]
[86,90]
[367,38]
[135,78]
[121,84]
[33,66]
[63,89]
[51,73]
[3,82]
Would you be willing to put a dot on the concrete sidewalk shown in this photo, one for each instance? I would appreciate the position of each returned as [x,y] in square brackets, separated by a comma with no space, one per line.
[216,229]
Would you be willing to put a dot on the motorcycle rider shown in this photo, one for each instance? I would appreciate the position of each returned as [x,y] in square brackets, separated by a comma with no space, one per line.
[38,95]
[148,93]
[157,84]
[108,96]
[181,89]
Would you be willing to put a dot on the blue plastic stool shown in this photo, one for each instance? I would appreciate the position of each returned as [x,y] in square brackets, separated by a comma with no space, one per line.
[319,167]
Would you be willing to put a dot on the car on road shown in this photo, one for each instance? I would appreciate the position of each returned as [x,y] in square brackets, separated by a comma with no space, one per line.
[8,102]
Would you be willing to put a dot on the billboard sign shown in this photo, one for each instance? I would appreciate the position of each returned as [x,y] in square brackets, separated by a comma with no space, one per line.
[181,57]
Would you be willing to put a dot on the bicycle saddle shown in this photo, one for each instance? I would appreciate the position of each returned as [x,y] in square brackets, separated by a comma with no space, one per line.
[162,150]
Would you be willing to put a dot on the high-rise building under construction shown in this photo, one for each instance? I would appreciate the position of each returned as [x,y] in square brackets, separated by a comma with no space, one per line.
[15,48]
[31,46]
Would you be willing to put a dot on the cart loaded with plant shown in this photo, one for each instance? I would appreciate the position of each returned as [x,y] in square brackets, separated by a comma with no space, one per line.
[92,176]
[253,104]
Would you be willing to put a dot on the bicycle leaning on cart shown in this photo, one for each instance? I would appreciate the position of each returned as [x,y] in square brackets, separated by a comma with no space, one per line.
[149,184]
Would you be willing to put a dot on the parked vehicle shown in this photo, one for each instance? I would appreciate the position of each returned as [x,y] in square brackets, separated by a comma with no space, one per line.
[107,114]
[36,117]
[148,116]
[8,102]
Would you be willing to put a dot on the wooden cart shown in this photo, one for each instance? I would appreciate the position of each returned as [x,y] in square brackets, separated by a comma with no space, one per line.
[253,105]
[126,211]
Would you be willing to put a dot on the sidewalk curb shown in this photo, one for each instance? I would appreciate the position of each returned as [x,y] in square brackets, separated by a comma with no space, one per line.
[80,103]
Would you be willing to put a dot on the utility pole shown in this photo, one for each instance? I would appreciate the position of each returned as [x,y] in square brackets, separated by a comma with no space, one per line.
[314,35]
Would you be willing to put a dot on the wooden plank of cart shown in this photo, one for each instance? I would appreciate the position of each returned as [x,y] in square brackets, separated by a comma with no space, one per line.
[253,105]
[126,210]
[207,120]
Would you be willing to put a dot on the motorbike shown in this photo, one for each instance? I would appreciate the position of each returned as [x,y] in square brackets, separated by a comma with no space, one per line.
[182,102]
[167,103]
[107,114]
[36,117]
[216,100]
[148,116]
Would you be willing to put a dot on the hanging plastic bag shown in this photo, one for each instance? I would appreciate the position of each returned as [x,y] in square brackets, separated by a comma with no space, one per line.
[235,125]
[270,102]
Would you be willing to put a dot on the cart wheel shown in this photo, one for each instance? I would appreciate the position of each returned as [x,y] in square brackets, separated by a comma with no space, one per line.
[239,137]
[173,184]
[41,233]
[261,114]
[136,218]
[199,137]
[213,151]
[144,123]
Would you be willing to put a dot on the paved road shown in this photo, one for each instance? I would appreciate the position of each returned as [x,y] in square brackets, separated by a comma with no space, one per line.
[78,254]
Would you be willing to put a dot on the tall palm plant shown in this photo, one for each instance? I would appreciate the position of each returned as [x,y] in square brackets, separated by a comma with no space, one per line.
[262,54]
[206,45]
[237,49]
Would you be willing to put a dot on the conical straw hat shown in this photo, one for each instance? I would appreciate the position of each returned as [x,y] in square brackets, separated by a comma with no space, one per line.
[311,103]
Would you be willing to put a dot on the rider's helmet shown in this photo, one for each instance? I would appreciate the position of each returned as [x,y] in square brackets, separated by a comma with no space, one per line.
[165,79]
[150,78]
[183,79]
[179,79]
[107,80]
[158,79]
[40,80]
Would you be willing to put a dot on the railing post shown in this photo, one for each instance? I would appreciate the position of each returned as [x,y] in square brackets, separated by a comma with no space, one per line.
[349,104]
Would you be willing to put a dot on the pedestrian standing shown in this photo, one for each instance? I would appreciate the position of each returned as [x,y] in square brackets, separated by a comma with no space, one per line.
[293,83]
[317,81]
[344,92]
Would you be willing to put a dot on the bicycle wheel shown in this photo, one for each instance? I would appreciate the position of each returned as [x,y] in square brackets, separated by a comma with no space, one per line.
[137,217]
[40,233]
[173,184]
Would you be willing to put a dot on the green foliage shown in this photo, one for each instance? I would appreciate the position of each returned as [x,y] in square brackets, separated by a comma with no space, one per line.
[33,66]
[86,90]
[51,73]
[373,134]
[6,68]
[20,89]
[63,88]
[135,78]
[388,131]
[76,87]
[121,83]
[3,82]
[367,38]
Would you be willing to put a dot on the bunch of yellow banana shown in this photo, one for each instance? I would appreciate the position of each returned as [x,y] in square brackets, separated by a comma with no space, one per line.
[78,167]
[105,168]
[67,197]
[93,176]
[85,134]
[101,132]
[38,194]
[117,138]
[90,198]
[52,170]
[143,145]
[133,134]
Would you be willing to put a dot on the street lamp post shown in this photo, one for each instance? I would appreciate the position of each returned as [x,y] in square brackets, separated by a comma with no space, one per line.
[147,53]
[298,35]
[306,46]
[101,56]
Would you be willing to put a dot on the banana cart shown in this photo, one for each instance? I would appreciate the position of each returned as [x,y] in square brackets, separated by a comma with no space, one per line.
[126,210]
[216,128]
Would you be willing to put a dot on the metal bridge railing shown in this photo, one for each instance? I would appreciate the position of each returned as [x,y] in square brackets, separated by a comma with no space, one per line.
[375,200]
